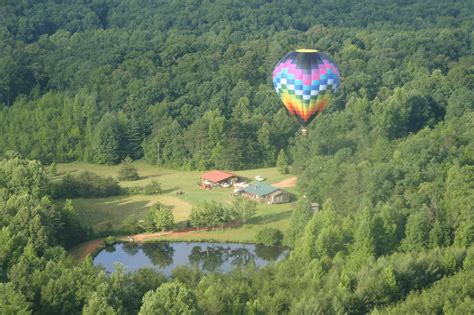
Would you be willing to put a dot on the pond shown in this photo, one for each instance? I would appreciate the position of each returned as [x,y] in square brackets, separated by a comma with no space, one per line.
[165,256]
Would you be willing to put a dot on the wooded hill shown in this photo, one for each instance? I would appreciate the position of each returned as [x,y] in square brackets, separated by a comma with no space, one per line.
[187,84]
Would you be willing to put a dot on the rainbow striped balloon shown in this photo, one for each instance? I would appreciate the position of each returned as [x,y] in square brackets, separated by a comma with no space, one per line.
[304,80]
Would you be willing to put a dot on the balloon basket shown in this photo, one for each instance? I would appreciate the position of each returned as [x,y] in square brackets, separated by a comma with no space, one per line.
[304,132]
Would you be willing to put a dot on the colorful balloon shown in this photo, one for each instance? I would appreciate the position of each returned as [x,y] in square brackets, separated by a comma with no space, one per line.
[304,80]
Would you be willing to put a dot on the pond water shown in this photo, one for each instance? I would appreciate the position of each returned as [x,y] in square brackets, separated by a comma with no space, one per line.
[165,256]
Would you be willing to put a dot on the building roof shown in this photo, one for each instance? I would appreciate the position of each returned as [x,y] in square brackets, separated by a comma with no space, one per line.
[216,176]
[260,189]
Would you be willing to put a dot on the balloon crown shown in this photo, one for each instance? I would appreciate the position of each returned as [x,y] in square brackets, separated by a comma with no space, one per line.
[304,50]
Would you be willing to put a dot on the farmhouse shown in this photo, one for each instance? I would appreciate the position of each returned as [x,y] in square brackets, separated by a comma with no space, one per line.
[266,193]
[218,178]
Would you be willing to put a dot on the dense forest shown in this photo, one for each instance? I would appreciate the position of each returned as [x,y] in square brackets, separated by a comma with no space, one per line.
[187,84]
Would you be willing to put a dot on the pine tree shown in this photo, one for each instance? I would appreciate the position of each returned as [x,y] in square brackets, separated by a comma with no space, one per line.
[107,140]
[54,169]
[135,138]
[299,218]
[282,162]
[127,171]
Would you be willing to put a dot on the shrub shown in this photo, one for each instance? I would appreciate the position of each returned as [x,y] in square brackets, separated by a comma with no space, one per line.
[269,237]
[110,240]
[54,169]
[152,188]
[159,218]
[163,217]
[127,171]
[86,184]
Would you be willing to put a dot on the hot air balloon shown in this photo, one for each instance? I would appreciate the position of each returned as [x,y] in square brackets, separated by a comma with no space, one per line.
[305,80]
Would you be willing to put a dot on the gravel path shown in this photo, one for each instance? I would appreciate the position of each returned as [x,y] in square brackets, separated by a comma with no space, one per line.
[290,182]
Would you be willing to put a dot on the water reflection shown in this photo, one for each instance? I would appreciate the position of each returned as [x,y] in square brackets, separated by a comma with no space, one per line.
[166,256]
[130,248]
[160,254]
[241,257]
[269,253]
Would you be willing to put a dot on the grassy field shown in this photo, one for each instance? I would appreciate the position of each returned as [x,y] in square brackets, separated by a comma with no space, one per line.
[275,216]
[97,212]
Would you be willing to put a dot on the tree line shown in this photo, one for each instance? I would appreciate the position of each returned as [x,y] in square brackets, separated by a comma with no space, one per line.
[200,97]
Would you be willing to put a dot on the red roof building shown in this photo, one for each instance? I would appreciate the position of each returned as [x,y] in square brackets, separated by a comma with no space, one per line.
[216,177]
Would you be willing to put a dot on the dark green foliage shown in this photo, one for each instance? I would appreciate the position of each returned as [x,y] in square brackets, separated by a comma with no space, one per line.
[449,295]
[86,184]
[108,140]
[209,60]
[299,218]
[134,139]
[392,155]
[269,237]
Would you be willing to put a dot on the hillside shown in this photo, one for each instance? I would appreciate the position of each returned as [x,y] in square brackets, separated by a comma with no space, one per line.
[180,87]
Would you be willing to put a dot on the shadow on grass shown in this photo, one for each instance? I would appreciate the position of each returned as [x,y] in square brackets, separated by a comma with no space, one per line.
[100,213]
[169,190]
[293,197]
[154,175]
[270,218]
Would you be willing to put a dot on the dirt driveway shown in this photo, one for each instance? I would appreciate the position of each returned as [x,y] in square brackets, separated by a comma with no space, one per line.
[290,182]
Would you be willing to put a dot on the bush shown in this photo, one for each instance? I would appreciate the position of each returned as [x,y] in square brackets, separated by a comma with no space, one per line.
[152,188]
[132,225]
[127,171]
[158,218]
[210,213]
[54,169]
[110,241]
[86,184]
[163,217]
[269,237]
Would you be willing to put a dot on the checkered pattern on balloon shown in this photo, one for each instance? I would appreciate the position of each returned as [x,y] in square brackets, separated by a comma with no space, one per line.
[305,82]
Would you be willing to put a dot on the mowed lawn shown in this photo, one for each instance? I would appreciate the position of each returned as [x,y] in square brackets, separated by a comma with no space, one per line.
[98,212]
[275,216]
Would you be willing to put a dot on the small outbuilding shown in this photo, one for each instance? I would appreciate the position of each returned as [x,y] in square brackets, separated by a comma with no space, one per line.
[266,193]
[218,178]
[315,206]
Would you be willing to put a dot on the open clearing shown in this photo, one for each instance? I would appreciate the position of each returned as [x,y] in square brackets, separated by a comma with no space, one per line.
[98,212]
[290,182]
[276,218]
[101,212]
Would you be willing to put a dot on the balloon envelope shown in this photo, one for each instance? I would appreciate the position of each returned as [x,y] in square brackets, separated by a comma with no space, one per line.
[304,80]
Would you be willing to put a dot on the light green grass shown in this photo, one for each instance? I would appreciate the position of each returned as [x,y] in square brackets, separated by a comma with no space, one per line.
[275,216]
[97,212]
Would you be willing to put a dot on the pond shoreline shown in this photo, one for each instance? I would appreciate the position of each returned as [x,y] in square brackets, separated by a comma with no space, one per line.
[165,256]
[93,247]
